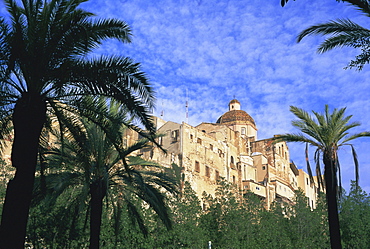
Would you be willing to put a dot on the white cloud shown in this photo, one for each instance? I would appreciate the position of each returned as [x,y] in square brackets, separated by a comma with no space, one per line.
[212,50]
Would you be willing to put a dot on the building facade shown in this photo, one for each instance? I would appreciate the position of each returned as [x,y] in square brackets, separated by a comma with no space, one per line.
[229,148]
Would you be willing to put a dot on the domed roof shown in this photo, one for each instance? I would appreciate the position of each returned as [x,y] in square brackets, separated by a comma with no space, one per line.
[234,101]
[235,115]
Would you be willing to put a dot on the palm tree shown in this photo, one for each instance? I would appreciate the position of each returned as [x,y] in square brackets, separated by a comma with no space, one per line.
[44,67]
[100,168]
[344,33]
[327,132]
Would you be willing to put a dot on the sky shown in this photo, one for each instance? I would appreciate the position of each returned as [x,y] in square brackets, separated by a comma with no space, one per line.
[208,52]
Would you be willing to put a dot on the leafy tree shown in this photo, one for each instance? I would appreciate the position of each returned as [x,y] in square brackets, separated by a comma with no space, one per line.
[272,229]
[186,232]
[327,132]
[44,47]
[355,218]
[231,219]
[98,169]
[307,228]
[344,33]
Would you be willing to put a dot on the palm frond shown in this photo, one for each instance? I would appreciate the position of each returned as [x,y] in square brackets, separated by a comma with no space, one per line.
[361,5]
[136,217]
[339,172]
[355,160]
[309,166]
[355,136]
[320,181]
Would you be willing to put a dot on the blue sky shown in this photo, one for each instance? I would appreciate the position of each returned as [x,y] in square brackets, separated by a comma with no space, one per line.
[212,50]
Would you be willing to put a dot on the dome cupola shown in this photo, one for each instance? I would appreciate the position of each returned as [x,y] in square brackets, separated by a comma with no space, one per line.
[235,116]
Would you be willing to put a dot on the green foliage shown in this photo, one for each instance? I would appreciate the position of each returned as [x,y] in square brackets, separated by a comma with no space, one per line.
[344,33]
[307,228]
[355,218]
[229,220]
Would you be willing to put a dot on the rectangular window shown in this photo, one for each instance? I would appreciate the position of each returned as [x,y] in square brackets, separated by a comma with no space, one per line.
[208,174]
[217,175]
[211,146]
[197,166]
[199,141]
[243,131]
[175,135]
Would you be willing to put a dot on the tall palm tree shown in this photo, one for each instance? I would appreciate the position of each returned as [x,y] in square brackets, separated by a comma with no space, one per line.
[344,33]
[44,67]
[98,167]
[327,132]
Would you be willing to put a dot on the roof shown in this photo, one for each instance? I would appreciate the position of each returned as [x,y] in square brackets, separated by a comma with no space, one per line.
[234,101]
[236,117]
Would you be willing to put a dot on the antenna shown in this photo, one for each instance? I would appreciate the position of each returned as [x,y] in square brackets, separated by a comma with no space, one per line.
[187,107]
[162,112]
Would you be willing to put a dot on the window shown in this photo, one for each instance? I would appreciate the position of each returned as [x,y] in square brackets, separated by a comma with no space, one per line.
[234,181]
[258,188]
[307,180]
[199,141]
[197,166]
[242,131]
[208,174]
[232,165]
[175,135]
[219,153]
[160,140]
[211,146]
[263,167]
[217,175]
[191,136]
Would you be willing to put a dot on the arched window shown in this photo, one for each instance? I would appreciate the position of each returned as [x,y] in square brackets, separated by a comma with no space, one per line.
[242,131]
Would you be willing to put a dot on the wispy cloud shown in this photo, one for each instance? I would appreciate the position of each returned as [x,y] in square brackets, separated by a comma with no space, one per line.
[208,51]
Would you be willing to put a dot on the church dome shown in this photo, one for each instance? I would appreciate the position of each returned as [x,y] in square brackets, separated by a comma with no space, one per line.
[235,115]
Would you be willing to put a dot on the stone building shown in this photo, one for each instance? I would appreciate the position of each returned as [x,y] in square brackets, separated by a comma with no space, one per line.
[229,148]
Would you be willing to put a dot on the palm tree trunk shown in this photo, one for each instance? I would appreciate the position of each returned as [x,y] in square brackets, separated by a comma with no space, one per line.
[97,192]
[331,197]
[28,120]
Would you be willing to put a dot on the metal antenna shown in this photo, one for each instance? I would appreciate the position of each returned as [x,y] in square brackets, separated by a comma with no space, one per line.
[187,107]
[162,112]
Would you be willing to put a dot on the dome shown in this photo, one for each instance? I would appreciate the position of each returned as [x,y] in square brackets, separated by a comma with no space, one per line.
[236,117]
[234,101]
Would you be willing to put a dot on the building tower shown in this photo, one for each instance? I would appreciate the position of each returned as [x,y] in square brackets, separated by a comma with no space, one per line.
[239,120]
